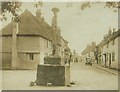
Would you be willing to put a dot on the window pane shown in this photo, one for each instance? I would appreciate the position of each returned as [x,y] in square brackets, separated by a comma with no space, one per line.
[113,56]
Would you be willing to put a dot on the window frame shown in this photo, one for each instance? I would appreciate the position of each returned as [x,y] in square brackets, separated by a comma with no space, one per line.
[31,56]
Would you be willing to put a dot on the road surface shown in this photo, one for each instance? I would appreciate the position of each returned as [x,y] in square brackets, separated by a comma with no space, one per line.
[85,78]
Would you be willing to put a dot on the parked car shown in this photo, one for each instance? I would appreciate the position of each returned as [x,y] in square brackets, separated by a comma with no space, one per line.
[88,61]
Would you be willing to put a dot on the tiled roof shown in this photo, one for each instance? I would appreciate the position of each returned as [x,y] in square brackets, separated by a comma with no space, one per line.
[64,40]
[108,39]
[30,25]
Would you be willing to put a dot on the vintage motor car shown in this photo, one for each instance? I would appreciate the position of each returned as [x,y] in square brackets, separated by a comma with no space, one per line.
[88,61]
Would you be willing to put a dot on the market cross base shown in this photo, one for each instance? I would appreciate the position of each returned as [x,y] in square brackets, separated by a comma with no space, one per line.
[53,75]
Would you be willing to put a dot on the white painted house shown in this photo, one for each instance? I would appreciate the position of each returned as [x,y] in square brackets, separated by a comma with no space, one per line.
[109,49]
[89,52]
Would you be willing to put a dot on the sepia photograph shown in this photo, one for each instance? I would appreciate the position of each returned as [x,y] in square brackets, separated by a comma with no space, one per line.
[59,45]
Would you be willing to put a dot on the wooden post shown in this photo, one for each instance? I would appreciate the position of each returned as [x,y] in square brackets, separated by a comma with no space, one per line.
[14,46]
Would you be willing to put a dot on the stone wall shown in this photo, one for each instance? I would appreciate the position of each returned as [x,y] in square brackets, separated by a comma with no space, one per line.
[57,75]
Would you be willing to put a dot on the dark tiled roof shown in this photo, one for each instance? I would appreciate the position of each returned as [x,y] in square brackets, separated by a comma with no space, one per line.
[30,25]
[108,39]
[64,40]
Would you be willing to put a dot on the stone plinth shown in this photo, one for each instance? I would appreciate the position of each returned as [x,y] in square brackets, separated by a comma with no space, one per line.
[54,59]
[56,75]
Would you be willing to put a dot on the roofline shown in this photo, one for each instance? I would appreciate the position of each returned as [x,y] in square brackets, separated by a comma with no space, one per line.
[28,34]
[64,39]
[25,35]
[113,36]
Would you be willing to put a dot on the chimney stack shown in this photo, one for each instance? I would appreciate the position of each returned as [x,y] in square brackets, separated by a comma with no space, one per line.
[109,32]
[38,14]
[114,30]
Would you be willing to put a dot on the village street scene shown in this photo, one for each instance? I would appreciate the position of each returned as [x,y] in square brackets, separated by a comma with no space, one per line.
[59,46]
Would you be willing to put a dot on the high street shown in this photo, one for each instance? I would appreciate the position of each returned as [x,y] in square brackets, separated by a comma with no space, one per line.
[84,77]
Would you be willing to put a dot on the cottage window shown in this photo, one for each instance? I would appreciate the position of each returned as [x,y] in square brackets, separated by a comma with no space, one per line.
[31,56]
[113,56]
[113,42]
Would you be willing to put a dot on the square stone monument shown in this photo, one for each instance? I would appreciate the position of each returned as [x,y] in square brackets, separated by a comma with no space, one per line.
[52,72]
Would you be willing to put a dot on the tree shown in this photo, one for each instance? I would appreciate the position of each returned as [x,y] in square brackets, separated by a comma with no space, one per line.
[85,5]
[114,6]
[12,7]
[38,4]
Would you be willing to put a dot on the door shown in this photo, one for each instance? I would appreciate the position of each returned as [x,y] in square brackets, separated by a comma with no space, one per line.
[109,59]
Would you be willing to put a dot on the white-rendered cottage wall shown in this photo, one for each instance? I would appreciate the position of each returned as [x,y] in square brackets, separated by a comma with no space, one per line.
[110,48]
[113,49]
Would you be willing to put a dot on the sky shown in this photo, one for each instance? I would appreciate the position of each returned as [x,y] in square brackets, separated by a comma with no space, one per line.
[78,27]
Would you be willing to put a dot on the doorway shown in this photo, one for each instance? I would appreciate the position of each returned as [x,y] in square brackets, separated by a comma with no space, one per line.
[109,59]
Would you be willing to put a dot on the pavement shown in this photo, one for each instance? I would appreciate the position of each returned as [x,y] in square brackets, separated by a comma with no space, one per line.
[112,71]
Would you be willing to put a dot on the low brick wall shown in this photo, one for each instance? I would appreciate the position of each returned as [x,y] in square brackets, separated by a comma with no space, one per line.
[56,75]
